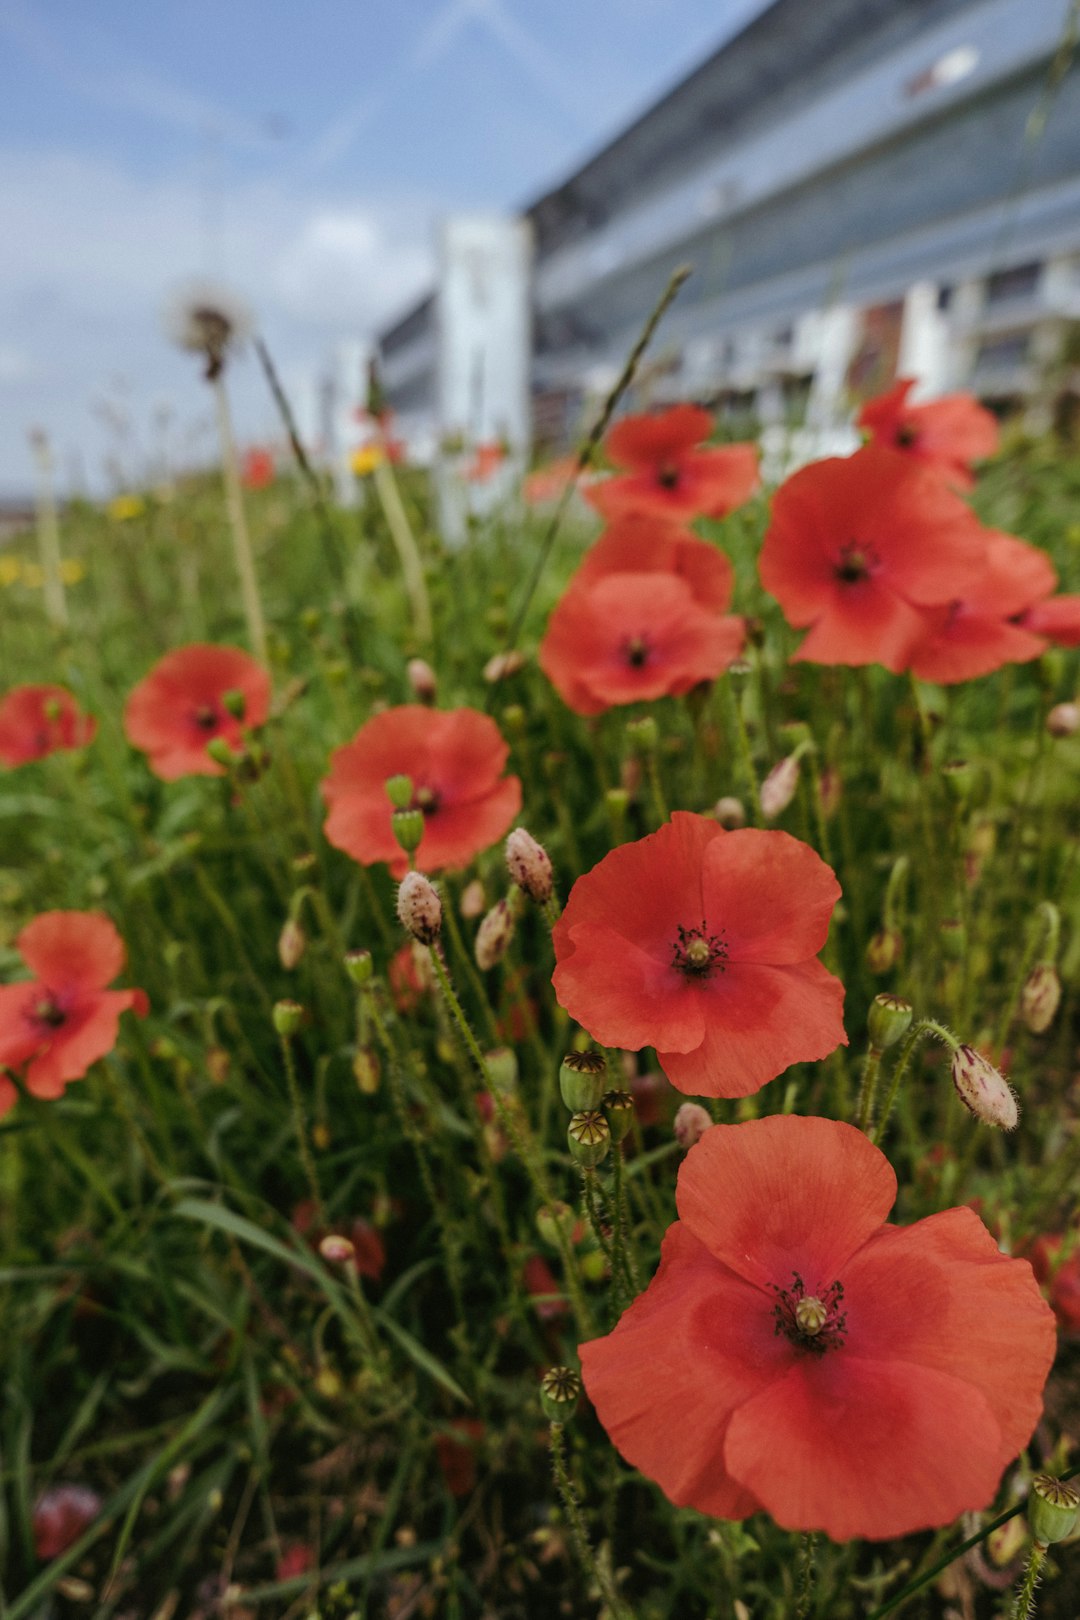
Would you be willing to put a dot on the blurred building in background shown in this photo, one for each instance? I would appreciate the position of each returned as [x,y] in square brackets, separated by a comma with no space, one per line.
[863,187]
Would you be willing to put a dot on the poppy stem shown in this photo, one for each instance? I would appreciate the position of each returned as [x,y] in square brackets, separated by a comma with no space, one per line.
[746,758]
[579,1533]
[412,569]
[807,1575]
[234,502]
[868,1088]
[916,1035]
[299,1126]
[1024,1606]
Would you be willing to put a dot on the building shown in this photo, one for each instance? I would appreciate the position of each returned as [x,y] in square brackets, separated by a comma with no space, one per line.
[861,186]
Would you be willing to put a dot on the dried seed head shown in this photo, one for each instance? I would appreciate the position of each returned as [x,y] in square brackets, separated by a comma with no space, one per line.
[1040,997]
[529,864]
[419,908]
[730,813]
[778,788]
[493,936]
[421,678]
[691,1123]
[983,1090]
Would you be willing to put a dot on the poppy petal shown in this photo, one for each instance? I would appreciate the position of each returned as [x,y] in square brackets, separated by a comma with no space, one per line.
[72,951]
[772,895]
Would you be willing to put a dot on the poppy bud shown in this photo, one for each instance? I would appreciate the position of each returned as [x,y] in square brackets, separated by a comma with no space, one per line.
[643,735]
[778,788]
[399,790]
[560,1390]
[291,945]
[502,1068]
[336,1248]
[617,800]
[830,789]
[553,1219]
[583,1080]
[287,1016]
[589,1138]
[691,1123]
[421,678]
[501,665]
[366,1070]
[493,936]
[472,901]
[234,703]
[1053,1509]
[359,966]
[953,936]
[221,753]
[983,1090]
[1040,997]
[730,813]
[619,1112]
[419,908]
[529,864]
[888,1020]
[513,720]
[408,828]
[884,950]
[218,1064]
[1063,720]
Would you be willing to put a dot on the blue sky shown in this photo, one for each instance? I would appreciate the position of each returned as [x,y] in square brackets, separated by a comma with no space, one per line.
[299,152]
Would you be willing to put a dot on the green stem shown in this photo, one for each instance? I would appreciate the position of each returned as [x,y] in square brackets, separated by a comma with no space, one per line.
[575,1520]
[915,1036]
[1024,1605]
[871,1069]
[296,1103]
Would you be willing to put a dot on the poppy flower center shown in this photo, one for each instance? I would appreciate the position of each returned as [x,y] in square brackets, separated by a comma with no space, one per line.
[906,435]
[856,563]
[48,1012]
[667,475]
[636,651]
[425,799]
[206,717]
[813,1322]
[696,952]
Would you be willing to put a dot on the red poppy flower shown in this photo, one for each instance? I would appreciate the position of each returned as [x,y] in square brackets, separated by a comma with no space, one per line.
[61,1514]
[645,545]
[38,720]
[630,638]
[794,1353]
[456,1449]
[542,1286]
[257,469]
[548,482]
[455,761]
[1057,618]
[858,546]
[180,706]
[486,461]
[55,1025]
[973,635]
[946,434]
[703,943]
[1060,1278]
[667,474]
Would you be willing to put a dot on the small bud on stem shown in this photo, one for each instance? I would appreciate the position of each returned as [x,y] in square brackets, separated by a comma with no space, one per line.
[419,908]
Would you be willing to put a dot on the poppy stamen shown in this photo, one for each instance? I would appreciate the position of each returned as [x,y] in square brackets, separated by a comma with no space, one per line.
[667,476]
[206,717]
[425,799]
[696,952]
[813,1322]
[48,1012]
[856,563]
[637,652]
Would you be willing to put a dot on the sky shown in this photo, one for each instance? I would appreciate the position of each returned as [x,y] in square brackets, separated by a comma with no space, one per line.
[299,153]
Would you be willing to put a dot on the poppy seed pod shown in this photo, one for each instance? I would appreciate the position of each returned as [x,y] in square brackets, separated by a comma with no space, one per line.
[888,1020]
[583,1080]
[560,1390]
[419,908]
[399,790]
[408,826]
[287,1016]
[493,936]
[359,966]
[983,1090]
[1053,1509]
[589,1138]
[529,864]
[618,1109]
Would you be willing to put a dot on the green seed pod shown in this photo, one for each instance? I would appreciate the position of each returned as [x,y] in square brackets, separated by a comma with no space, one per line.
[560,1390]
[1053,1509]
[959,777]
[399,790]
[408,828]
[888,1020]
[589,1138]
[643,735]
[953,936]
[583,1080]
[359,966]
[618,1109]
[502,1068]
[221,753]
[287,1016]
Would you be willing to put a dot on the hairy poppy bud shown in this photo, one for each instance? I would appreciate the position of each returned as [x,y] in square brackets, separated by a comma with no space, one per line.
[472,900]
[399,790]
[1053,1509]
[583,1080]
[408,828]
[560,1390]
[419,908]
[888,1020]
[337,1249]
[221,753]
[359,966]
[730,813]
[589,1138]
[366,1070]
[287,1016]
[291,945]
[421,678]
[618,1109]
[1063,720]
[778,788]
[884,950]
[691,1123]
[234,703]
[983,1090]
[1040,997]
[493,936]
[529,864]
[501,665]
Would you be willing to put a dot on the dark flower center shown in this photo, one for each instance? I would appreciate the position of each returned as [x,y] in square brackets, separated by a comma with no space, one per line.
[696,952]
[48,1012]
[636,651]
[206,717]
[667,476]
[813,1322]
[906,435]
[856,563]
[425,799]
